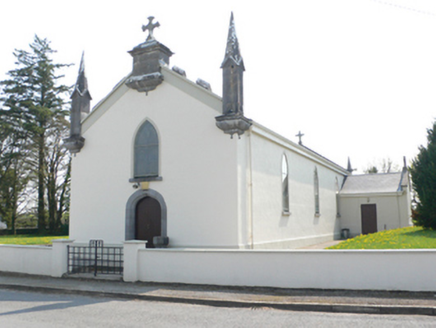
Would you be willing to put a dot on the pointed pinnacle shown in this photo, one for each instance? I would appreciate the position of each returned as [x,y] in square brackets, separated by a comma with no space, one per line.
[82,63]
[81,86]
[232,48]
[349,167]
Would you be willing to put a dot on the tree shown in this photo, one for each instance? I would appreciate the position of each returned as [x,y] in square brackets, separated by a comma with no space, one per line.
[371,170]
[423,173]
[58,166]
[34,105]
[386,165]
[13,175]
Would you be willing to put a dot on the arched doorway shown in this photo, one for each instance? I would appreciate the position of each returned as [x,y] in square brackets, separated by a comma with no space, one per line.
[131,208]
[148,220]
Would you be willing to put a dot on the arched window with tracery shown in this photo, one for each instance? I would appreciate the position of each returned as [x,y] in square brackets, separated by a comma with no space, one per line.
[146,152]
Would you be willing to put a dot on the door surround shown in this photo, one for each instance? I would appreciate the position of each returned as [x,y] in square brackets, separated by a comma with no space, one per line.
[131,211]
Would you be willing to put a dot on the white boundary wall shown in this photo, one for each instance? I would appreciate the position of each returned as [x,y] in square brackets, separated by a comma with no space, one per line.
[408,270]
[39,260]
[26,259]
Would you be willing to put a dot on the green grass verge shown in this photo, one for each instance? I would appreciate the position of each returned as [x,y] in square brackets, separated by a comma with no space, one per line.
[403,238]
[29,240]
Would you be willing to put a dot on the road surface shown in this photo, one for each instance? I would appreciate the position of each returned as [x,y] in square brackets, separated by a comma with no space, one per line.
[35,310]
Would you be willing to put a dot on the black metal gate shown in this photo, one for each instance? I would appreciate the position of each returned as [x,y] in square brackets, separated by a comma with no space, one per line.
[95,258]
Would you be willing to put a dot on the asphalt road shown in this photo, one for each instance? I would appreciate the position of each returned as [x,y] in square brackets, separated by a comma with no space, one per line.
[24,309]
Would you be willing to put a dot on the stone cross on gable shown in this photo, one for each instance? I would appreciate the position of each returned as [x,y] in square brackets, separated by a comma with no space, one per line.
[299,135]
[150,27]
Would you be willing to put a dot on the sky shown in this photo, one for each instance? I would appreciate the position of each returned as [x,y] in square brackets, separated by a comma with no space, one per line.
[356,77]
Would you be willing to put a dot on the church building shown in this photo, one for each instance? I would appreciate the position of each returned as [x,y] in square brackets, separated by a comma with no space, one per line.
[164,159]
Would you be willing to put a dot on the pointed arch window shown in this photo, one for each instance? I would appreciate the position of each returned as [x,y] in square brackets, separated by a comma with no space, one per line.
[146,152]
[316,190]
[285,185]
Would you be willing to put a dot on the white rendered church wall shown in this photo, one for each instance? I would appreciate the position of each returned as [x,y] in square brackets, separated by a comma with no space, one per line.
[245,207]
[405,206]
[272,228]
[392,211]
[198,166]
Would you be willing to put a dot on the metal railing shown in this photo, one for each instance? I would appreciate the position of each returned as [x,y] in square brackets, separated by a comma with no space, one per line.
[95,258]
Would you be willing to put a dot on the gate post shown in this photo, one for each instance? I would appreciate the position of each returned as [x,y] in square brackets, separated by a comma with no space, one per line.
[131,249]
[59,259]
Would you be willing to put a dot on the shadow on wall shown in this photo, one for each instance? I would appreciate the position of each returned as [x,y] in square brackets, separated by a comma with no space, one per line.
[284,221]
[337,228]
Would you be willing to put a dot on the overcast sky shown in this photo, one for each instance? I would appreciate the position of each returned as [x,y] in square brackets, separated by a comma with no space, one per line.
[357,77]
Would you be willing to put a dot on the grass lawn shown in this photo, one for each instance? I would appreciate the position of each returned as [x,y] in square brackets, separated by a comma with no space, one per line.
[29,239]
[410,237]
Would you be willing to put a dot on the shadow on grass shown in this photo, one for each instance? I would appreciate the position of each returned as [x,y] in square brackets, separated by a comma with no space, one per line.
[426,233]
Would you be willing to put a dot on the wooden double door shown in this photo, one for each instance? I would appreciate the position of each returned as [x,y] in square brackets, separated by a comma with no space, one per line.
[148,220]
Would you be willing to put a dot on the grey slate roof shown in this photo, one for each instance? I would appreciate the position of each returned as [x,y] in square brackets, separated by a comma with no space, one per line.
[373,183]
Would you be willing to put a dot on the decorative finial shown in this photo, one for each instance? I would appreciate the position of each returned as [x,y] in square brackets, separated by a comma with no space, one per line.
[80,108]
[233,120]
[299,135]
[82,63]
[232,49]
[349,167]
[148,59]
[150,27]
[81,85]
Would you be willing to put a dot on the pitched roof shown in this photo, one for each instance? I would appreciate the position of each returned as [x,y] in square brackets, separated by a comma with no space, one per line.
[373,183]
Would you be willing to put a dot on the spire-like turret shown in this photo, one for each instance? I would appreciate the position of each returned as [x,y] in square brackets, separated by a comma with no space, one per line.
[233,70]
[233,120]
[233,54]
[147,60]
[349,167]
[80,107]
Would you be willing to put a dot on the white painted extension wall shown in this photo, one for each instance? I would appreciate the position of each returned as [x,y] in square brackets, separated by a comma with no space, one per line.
[393,211]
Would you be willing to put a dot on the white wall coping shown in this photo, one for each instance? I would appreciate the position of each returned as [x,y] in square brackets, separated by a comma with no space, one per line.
[62,241]
[46,247]
[104,104]
[272,136]
[372,195]
[290,251]
[184,84]
[133,242]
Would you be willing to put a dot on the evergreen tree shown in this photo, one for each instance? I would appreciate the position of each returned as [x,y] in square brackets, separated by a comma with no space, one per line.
[14,176]
[386,165]
[423,172]
[371,170]
[35,108]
